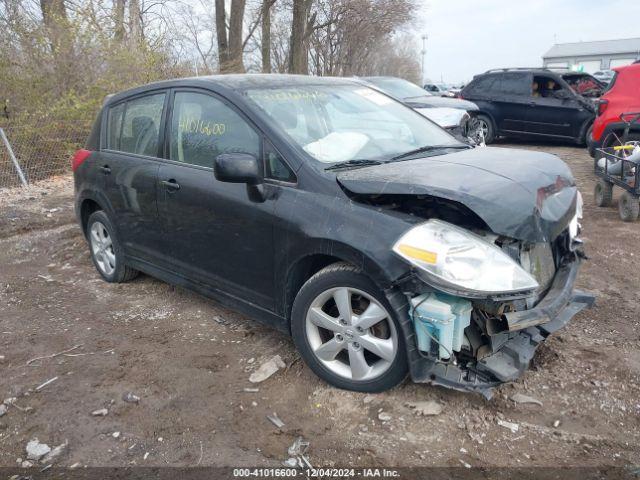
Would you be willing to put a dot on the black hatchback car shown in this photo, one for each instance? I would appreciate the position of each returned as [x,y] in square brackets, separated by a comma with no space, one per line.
[341,216]
[535,103]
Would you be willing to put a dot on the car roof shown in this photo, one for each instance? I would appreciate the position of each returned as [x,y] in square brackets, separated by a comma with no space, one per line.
[634,67]
[234,82]
[535,70]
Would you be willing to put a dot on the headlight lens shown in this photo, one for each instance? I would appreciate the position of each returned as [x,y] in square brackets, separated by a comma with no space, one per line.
[456,259]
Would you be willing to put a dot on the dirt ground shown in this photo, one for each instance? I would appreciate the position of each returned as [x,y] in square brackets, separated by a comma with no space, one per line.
[189,361]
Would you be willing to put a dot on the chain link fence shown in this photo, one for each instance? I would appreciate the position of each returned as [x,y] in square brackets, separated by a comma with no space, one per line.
[41,149]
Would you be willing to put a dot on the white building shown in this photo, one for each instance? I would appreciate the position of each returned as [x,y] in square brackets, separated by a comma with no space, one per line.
[593,56]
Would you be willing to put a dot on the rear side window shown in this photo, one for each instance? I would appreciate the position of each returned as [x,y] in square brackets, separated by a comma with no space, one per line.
[483,85]
[514,83]
[203,127]
[134,126]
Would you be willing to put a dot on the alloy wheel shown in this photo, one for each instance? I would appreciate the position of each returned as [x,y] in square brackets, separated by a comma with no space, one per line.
[483,127]
[351,334]
[102,248]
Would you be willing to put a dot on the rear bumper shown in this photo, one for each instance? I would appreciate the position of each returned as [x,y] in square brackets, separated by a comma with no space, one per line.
[514,350]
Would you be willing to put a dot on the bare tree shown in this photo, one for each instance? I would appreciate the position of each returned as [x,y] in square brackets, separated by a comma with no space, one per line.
[230,40]
[118,20]
[265,46]
[135,23]
[56,23]
[298,44]
[348,36]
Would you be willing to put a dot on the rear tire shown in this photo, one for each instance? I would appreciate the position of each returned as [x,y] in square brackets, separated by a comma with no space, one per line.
[106,251]
[346,331]
[614,139]
[486,125]
[603,193]
[628,207]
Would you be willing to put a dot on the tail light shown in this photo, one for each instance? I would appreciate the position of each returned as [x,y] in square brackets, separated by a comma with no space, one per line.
[79,157]
[602,106]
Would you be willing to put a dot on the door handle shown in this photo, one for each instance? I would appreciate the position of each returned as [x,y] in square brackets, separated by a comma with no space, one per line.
[171,185]
[105,169]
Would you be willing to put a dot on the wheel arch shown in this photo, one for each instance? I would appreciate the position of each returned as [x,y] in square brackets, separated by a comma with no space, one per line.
[584,130]
[490,116]
[88,207]
[89,202]
[308,264]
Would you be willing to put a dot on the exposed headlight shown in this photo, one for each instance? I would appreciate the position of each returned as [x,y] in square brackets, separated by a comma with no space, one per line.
[455,259]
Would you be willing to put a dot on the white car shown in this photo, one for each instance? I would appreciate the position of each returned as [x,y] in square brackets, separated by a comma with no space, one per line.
[455,115]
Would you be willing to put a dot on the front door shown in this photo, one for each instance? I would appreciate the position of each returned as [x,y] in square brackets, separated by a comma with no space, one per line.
[214,232]
[555,110]
[129,165]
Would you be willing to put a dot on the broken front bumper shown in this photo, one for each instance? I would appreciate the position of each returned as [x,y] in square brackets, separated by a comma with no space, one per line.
[513,350]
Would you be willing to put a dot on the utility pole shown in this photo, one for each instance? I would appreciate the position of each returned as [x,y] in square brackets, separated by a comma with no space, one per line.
[424,53]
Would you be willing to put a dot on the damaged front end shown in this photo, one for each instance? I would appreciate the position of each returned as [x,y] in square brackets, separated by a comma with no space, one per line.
[474,344]
[493,262]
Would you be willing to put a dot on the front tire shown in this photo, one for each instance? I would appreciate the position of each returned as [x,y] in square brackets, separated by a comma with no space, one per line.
[487,128]
[106,251]
[346,332]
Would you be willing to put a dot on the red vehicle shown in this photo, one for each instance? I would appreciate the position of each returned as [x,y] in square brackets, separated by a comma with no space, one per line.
[621,96]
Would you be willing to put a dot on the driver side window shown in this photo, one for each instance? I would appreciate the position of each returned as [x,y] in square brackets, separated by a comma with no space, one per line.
[203,127]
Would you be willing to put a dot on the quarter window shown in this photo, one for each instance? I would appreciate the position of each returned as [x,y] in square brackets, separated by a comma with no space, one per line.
[276,167]
[203,127]
[114,126]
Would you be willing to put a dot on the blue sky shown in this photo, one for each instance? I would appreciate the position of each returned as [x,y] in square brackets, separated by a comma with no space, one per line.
[467,37]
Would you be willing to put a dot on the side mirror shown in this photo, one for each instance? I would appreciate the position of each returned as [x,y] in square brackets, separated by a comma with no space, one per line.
[237,168]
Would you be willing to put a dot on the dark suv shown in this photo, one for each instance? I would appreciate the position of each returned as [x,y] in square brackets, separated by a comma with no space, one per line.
[341,216]
[535,103]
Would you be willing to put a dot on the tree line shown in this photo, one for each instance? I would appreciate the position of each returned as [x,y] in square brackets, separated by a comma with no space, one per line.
[59,58]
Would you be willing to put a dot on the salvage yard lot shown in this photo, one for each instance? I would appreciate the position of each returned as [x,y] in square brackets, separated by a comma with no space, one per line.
[189,361]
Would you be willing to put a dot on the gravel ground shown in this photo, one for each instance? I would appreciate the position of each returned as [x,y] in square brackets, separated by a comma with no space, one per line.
[189,360]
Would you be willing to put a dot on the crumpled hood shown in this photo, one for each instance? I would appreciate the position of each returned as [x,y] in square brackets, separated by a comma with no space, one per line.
[433,101]
[521,194]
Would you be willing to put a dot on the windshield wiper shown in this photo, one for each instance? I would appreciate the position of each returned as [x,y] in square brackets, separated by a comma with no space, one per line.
[428,148]
[357,162]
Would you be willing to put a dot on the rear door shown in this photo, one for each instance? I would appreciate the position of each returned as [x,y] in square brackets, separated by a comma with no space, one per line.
[216,233]
[504,96]
[511,95]
[129,164]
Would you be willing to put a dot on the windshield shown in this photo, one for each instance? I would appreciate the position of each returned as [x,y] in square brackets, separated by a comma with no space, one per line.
[584,85]
[340,123]
[399,88]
